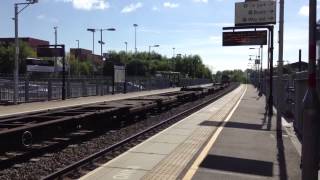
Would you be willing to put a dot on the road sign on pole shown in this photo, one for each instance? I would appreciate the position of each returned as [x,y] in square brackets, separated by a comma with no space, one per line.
[255,13]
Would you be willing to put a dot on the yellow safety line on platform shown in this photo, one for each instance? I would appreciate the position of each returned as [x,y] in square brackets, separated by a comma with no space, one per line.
[191,172]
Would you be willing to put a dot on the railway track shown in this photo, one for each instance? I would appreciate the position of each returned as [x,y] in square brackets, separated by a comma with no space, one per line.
[85,122]
[85,165]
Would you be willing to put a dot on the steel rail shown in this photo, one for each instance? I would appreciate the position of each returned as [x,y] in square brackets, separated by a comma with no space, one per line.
[64,171]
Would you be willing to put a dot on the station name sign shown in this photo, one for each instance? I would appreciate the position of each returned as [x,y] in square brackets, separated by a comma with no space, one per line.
[243,38]
[255,13]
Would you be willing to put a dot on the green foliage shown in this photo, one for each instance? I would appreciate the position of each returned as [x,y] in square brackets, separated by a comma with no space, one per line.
[236,75]
[7,54]
[145,64]
[140,64]
[79,67]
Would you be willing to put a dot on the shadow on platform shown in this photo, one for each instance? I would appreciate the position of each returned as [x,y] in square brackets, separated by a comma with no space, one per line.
[231,124]
[238,165]
[249,166]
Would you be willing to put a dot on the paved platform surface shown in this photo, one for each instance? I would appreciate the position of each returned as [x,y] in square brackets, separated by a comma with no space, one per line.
[49,105]
[250,147]
[167,154]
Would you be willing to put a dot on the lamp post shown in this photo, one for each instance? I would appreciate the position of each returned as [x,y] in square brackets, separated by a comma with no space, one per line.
[126,43]
[78,63]
[135,37]
[173,52]
[259,70]
[16,57]
[254,67]
[125,69]
[55,35]
[55,28]
[173,57]
[101,42]
[93,31]
[157,45]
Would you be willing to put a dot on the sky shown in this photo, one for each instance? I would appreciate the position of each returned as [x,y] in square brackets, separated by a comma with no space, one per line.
[189,26]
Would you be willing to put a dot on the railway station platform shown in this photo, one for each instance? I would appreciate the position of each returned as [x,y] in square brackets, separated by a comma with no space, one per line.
[232,138]
[59,104]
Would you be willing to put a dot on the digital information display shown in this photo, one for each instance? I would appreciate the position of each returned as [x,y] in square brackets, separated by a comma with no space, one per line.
[50,52]
[244,38]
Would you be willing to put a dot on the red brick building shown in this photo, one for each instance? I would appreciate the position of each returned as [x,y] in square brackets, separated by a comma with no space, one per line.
[86,55]
[32,42]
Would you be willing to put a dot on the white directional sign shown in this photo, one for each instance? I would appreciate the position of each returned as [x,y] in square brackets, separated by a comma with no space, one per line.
[255,13]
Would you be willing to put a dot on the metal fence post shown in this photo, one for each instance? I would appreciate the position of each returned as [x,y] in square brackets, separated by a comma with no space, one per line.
[84,88]
[97,87]
[26,89]
[68,87]
[49,89]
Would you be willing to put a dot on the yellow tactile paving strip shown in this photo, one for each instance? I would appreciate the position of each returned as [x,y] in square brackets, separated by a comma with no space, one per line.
[173,165]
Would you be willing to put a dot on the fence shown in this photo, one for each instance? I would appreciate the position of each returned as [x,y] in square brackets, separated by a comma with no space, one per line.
[47,88]
[294,90]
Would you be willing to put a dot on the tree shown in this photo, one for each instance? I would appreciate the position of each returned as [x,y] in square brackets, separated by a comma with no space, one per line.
[236,75]
[79,67]
[147,64]
[7,54]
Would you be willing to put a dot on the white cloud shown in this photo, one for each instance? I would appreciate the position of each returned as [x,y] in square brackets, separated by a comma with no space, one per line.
[208,24]
[43,17]
[170,5]
[88,4]
[200,1]
[216,39]
[155,8]
[304,11]
[131,7]
[150,30]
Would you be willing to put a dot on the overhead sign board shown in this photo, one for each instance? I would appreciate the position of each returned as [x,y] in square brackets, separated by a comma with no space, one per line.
[243,38]
[37,65]
[119,74]
[255,13]
[50,52]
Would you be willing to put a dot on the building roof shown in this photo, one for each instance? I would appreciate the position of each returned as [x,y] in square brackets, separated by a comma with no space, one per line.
[33,42]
